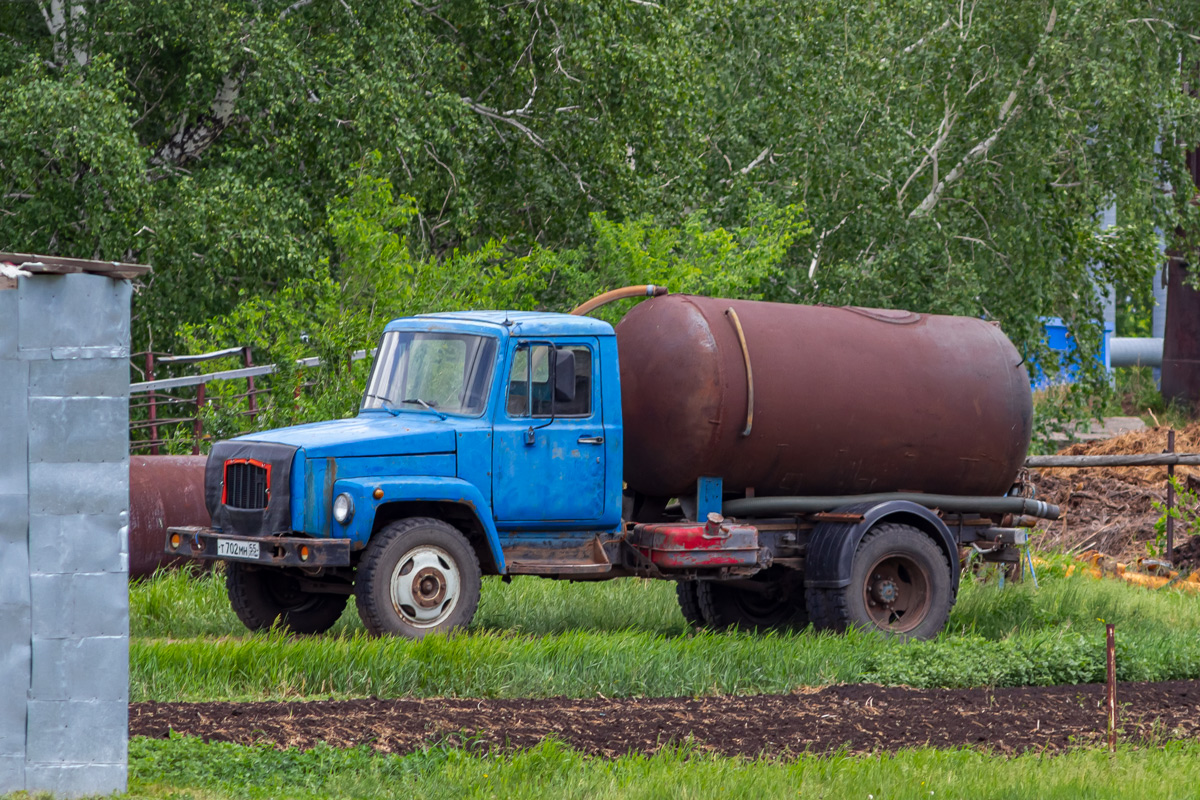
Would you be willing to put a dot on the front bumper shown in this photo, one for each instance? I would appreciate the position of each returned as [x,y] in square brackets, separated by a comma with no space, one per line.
[275,551]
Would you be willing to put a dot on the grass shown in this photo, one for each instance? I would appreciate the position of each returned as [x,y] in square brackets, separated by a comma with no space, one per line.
[174,605]
[539,638]
[1136,394]
[185,767]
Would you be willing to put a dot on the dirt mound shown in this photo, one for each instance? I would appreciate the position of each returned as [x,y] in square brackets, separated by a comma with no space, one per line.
[858,718]
[1187,555]
[1150,440]
[1111,509]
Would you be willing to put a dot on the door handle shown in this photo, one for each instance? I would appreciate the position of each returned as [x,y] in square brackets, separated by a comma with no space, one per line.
[591,440]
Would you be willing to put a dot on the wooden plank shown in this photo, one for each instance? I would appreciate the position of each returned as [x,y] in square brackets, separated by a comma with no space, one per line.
[60,265]
[1128,460]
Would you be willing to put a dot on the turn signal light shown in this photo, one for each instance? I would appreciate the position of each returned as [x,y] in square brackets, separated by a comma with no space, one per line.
[174,541]
[303,553]
[377,494]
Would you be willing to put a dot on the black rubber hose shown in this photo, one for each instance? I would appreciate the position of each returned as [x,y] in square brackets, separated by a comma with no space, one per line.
[775,506]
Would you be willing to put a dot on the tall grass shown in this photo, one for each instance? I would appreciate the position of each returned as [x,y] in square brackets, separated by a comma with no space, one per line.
[177,606]
[539,638]
[184,767]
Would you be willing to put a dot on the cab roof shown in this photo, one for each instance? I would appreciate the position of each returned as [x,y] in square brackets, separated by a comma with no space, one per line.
[518,323]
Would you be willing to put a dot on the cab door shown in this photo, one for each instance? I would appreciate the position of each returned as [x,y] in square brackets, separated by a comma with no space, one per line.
[548,454]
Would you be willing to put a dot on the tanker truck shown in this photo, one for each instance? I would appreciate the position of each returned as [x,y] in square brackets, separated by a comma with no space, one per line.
[782,464]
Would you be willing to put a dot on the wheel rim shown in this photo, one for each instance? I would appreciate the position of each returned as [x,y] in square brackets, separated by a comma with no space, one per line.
[896,593]
[425,586]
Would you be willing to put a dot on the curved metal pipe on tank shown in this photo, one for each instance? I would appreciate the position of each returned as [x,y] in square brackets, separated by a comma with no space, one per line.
[163,491]
[625,292]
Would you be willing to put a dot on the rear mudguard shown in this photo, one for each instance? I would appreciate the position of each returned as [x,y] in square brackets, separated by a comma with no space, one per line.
[832,545]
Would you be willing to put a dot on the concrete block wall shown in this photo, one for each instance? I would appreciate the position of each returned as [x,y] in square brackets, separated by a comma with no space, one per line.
[64,559]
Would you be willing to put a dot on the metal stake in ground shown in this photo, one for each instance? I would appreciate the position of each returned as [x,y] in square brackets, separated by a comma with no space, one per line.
[1171,499]
[1111,658]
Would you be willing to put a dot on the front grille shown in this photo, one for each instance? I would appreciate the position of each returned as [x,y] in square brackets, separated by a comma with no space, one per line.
[247,483]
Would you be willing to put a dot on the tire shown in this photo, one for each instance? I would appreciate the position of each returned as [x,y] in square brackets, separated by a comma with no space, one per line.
[689,602]
[417,576]
[771,599]
[900,585]
[263,597]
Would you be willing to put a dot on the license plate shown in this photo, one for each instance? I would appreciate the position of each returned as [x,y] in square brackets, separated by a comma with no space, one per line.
[235,549]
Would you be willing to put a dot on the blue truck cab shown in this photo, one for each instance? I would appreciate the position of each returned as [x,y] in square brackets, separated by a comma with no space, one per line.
[491,443]
[447,419]
[486,443]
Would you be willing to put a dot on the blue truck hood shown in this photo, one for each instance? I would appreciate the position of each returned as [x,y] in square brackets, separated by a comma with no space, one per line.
[376,434]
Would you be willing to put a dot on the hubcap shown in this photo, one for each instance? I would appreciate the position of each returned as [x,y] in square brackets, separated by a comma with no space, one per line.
[896,593]
[885,591]
[425,586]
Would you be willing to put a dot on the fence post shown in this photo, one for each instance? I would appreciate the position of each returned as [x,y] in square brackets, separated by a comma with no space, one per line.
[197,425]
[250,391]
[1110,659]
[153,410]
[1171,499]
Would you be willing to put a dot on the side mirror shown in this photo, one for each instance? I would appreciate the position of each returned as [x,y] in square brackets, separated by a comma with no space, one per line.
[564,375]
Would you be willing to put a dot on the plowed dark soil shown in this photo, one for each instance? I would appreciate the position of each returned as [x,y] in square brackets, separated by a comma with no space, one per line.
[859,718]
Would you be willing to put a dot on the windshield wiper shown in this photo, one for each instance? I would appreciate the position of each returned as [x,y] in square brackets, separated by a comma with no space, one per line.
[428,406]
[387,404]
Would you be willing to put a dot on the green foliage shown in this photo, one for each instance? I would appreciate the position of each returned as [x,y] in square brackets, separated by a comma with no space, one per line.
[186,767]
[693,258]
[1185,511]
[343,309]
[1135,392]
[65,143]
[378,276]
[949,160]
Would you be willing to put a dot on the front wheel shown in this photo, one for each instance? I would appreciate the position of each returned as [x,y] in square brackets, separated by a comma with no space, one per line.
[900,584]
[417,576]
[264,596]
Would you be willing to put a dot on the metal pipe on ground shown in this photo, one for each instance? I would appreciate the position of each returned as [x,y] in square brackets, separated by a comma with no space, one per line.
[1135,351]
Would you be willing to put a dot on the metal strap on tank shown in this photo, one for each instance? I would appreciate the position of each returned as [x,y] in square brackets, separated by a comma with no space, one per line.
[737,326]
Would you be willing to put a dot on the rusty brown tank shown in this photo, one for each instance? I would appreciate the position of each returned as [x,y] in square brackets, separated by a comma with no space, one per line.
[845,400]
[163,491]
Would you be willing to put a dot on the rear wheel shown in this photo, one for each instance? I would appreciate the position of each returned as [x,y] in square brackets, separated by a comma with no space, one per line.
[772,599]
[687,593]
[900,584]
[417,576]
[263,597]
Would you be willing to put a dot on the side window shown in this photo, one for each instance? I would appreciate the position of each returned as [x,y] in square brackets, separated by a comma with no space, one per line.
[530,377]
[581,404]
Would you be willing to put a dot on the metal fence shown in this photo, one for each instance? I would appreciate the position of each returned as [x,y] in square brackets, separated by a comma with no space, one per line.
[166,403]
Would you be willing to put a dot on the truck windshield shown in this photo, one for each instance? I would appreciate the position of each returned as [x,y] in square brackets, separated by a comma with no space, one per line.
[449,373]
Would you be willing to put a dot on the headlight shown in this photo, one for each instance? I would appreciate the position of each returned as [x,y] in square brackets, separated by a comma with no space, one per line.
[343,508]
